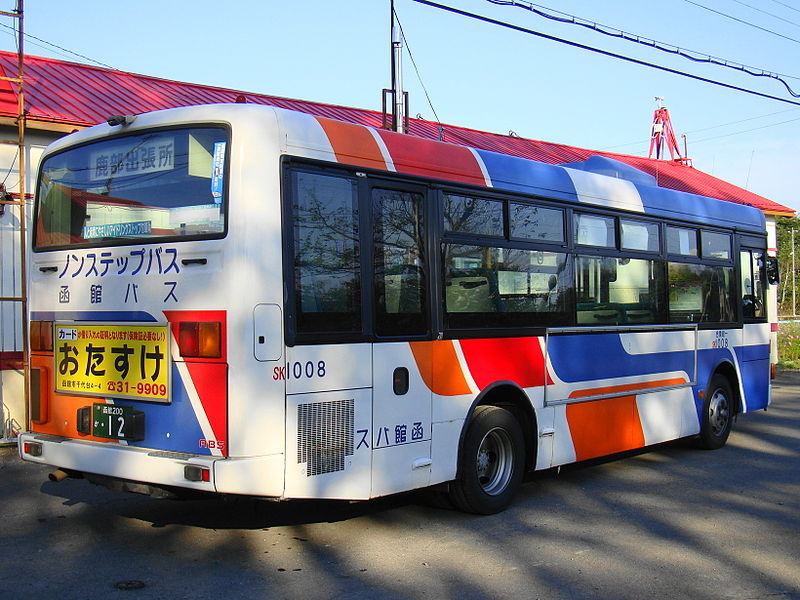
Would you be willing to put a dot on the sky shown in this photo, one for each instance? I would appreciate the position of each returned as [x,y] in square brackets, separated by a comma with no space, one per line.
[474,74]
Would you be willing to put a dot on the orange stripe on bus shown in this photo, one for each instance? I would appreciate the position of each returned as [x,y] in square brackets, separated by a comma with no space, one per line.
[628,387]
[439,367]
[602,427]
[62,408]
[353,144]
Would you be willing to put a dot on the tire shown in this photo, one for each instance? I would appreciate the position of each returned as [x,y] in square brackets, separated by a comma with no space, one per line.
[491,463]
[719,408]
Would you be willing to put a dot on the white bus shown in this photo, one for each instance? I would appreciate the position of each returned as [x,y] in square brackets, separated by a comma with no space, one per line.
[242,299]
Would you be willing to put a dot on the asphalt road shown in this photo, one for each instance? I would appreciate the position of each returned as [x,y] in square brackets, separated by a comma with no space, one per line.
[671,522]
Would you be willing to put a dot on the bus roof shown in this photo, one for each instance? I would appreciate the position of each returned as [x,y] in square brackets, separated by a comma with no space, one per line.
[598,182]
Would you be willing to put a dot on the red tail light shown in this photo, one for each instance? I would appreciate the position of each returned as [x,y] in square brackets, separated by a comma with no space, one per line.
[200,339]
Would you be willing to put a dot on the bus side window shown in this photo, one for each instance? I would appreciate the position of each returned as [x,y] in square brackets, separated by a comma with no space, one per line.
[619,291]
[752,283]
[700,293]
[327,283]
[399,263]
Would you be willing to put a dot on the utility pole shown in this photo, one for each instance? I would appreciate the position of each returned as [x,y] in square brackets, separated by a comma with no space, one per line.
[794,289]
[22,299]
[398,98]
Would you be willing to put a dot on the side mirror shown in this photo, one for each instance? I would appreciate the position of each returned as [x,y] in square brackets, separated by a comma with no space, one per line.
[773,275]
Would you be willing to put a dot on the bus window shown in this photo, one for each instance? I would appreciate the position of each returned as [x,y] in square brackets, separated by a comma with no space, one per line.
[327,283]
[595,230]
[160,184]
[618,291]
[716,245]
[530,222]
[465,214]
[753,284]
[700,293]
[400,284]
[682,241]
[504,287]
[639,235]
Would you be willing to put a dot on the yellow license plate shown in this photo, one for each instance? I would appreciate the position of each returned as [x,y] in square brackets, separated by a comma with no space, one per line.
[123,361]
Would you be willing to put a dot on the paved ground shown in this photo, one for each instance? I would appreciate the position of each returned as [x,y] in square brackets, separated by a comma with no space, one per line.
[672,522]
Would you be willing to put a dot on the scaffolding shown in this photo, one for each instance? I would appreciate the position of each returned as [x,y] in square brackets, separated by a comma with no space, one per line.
[6,200]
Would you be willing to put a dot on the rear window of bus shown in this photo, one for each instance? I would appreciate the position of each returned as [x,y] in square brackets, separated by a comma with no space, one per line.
[164,184]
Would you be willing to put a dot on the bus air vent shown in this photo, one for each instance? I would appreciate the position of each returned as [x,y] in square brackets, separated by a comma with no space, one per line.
[324,435]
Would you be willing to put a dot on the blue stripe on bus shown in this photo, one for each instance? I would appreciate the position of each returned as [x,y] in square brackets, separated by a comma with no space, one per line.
[172,427]
[92,315]
[521,175]
[516,174]
[573,362]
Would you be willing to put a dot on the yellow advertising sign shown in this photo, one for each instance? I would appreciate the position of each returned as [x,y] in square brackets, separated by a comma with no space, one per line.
[123,361]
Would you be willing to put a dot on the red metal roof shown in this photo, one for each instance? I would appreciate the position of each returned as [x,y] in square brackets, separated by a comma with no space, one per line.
[69,93]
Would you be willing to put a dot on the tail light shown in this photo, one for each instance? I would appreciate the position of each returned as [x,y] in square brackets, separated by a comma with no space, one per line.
[32,448]
[200,339]
[41,335]
[195,473]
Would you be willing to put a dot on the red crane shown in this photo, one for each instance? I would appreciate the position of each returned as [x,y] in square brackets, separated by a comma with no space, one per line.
[662,134]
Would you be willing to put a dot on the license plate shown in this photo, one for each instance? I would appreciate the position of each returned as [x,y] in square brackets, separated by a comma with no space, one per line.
[117,360]
[117,422]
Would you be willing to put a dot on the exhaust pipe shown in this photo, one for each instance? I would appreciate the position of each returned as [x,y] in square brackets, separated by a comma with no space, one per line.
[58,475]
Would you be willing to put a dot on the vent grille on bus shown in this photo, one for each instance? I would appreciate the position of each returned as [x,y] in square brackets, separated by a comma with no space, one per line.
[324,435]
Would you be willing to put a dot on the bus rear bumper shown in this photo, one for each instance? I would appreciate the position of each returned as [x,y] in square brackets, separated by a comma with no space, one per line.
[258,476]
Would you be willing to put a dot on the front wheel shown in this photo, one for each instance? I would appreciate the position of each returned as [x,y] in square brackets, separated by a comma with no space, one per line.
[491,463]
[719,408]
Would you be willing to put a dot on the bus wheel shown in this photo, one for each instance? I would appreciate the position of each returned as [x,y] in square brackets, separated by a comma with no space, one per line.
[491,463]
[718,411]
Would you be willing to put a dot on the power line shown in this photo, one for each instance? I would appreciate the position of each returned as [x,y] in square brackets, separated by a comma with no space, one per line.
[761,10]
[786,5]
[780,112]
[33,37]
[692,55]
[727,16]
[716,137]
[603,52]
[643,141]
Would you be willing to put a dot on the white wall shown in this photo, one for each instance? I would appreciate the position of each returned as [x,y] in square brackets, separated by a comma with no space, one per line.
[12,405]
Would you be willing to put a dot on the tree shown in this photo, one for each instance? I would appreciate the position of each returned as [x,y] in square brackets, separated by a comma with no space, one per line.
[785,227]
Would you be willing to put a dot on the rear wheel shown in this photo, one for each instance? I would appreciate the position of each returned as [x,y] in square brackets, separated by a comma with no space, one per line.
[719,408]
[491,463]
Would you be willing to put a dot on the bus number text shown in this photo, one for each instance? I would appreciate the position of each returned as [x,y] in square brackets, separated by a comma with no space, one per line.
[299,370]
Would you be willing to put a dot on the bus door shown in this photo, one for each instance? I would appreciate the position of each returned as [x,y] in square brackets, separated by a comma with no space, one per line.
[755,347]
[401,414]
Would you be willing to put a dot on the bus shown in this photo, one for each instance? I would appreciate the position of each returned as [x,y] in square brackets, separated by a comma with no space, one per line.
[246,300]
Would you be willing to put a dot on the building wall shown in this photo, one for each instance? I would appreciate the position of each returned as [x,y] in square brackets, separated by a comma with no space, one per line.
[12,403]
[772,291]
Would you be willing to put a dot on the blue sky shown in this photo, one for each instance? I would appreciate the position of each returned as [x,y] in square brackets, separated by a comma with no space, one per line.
[476,74]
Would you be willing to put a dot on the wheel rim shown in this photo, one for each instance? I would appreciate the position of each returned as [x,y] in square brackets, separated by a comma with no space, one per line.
[495,461]
[719,413]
